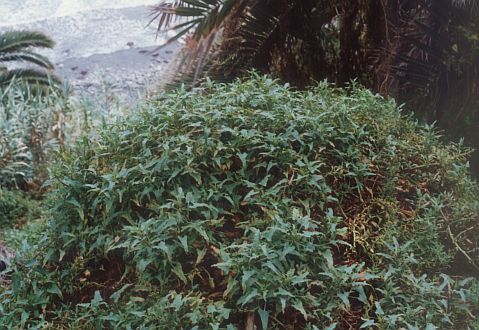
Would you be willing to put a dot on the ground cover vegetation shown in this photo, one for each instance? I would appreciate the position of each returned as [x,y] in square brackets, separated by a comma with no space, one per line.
[32,128]
[38,119]
[253,204]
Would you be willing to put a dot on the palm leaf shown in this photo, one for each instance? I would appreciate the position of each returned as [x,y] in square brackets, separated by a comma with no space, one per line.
[27,56]
[204,18]
[14,41]
[28,76]
[14,47]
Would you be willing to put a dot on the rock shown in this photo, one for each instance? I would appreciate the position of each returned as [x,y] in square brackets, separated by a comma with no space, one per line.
[130,44]
[6,256]
[156,54]
[143,51]
[74,68]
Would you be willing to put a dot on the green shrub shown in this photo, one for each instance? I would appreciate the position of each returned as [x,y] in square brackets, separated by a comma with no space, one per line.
[253,202]
[16,209]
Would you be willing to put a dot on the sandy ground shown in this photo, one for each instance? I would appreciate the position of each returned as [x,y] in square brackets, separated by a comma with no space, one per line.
[126,73]
[102,49]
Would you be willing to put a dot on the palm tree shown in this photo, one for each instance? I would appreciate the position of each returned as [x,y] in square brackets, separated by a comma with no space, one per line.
[298,40]
[15,47]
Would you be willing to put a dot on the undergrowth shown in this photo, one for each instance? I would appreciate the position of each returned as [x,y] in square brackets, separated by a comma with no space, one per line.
[17,209]
[32,128]
[35,126]
[253,204]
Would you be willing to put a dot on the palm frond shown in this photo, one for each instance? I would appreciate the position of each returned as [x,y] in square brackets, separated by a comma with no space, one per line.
[15,47]
[200,16]
[27,56]
[28,76]
[204,19]
[14,41]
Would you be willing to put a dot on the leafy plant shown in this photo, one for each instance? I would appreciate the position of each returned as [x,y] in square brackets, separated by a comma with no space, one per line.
[32,126]
[16,209]
[253,204]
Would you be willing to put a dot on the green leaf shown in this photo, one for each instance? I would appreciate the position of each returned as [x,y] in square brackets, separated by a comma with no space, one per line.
[177,302]
[54,289]
[344,298]
[184,243]
[117,294]
[331,326]
[97,299]
[367,324]
[379,310]
[143,263]
[298,305]
[264,316]
[178,270]
[329,258]
[243,300]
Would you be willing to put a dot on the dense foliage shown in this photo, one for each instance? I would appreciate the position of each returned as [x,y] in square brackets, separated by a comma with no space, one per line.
[251,203]
[32,127]
[32,109]
[16,209]
[424,53]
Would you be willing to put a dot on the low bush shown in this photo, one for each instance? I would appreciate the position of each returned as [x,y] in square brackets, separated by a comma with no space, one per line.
[253,204]
[16,209]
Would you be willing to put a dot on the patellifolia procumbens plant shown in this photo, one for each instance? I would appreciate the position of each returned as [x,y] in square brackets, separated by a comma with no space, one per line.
[250,204]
